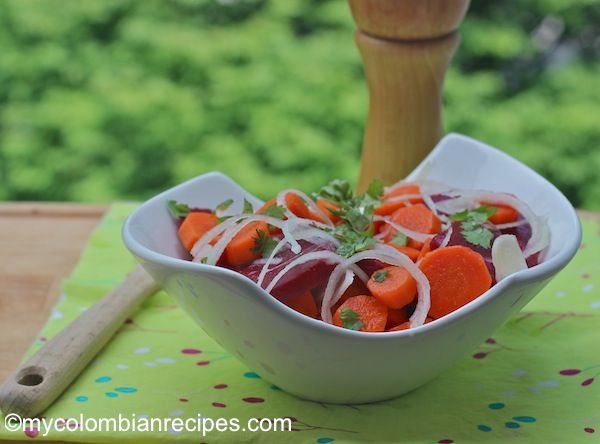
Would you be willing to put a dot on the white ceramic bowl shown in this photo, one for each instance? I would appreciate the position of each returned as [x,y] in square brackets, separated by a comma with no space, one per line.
[317,361]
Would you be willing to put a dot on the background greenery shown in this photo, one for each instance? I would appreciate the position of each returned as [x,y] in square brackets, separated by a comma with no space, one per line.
[120,99]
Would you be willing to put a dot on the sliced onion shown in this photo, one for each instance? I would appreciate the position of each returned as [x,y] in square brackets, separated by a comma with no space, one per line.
[446,237]
[227,229]
[509,225]
[270,261]
[465,199]
[403,198]
[416,235]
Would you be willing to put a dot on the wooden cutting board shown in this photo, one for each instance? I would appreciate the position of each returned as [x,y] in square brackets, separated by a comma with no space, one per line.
[40,244]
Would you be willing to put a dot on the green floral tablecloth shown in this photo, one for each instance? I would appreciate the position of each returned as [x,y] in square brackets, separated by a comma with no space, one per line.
[535,380]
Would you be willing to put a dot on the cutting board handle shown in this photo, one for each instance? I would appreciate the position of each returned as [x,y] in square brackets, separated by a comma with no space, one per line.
[44,376]
[406,47]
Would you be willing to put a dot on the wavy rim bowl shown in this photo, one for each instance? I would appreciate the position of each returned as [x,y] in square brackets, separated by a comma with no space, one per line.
[146,229]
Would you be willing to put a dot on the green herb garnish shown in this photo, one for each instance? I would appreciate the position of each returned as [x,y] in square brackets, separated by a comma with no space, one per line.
[263,244]
[223,206]
[350,319]
[356,232]
[379,276]
[248,208]
[400,239]
[274,210]
[472,225]
[178,209]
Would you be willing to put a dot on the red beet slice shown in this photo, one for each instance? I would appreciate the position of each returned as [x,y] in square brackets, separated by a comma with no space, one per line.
[299,279]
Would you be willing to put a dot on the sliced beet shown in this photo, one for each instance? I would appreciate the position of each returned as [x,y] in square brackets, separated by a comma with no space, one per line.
[299,279]
[370,266]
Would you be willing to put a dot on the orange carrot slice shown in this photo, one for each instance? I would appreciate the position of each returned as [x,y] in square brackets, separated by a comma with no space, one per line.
[504,214]
[305,304]
[411,252]
[239,251]
[406,325]
[371,312]
[194,226]
[457,275]
[416,217]
[293,202]
[357,288]
[326,207]
[395,318]
[296,205]
[266,205]
[390,204]
[393,286]
[426,248]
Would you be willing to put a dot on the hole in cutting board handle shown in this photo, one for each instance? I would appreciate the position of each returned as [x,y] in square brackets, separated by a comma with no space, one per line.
[31,376]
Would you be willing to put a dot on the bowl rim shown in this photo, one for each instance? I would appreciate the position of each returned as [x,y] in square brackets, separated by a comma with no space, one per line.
[544,270]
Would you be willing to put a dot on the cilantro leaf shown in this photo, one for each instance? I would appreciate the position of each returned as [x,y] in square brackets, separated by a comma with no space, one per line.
[355,233]
[472,225]
[400,239]
[338,191]
[358,219]
[476,234]
[352,241]
[480,214]
[178,209]
[375,188]
[223,219]
[350,319]
[274,210]
[248,208]
[263,244]
[379,276]
[223,206]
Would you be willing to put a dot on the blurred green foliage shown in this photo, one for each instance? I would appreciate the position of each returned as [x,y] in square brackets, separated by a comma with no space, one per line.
[121,99]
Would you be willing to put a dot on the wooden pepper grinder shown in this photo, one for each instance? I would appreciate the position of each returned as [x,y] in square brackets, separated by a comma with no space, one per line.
[406,47]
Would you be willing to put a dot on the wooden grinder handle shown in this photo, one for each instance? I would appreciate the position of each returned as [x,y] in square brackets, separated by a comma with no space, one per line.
[406,47]
[43,377]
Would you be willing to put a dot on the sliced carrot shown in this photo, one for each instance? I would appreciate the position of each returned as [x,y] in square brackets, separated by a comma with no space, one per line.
[415,217]
[411,252]
[355,289]
[326,207]
[378,225]
[293,202]
[393,286]
[457,275]
[266,205]
[504,214]
[305,304]
[426,248]
[395,317]
[193,227]
[239,251]
[406,325]
[296,205]
[391,201]
[371,312]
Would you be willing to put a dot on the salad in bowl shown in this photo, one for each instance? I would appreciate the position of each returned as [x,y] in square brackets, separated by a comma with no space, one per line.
[345,298]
